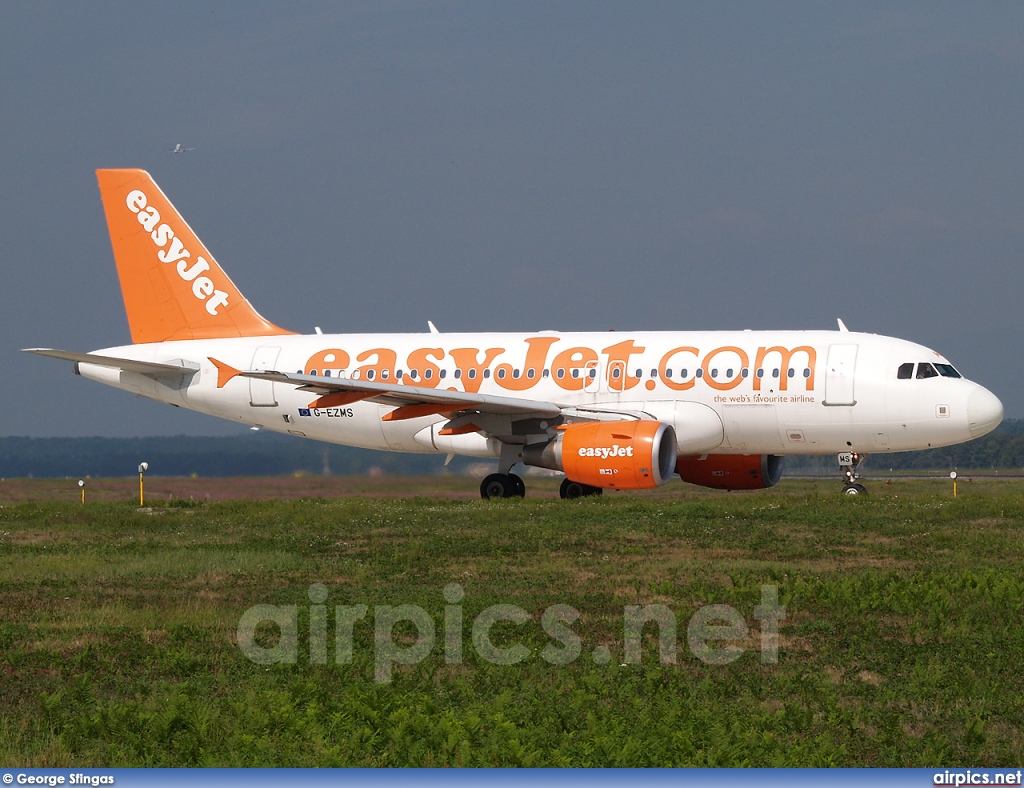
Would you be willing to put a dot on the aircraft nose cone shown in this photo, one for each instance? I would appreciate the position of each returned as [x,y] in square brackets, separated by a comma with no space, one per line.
[984,411]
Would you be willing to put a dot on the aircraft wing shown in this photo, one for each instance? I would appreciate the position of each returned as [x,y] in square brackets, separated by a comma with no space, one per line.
[412,401]
[148,368]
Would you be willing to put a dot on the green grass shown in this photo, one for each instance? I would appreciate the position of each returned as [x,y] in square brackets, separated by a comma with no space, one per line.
[903,643]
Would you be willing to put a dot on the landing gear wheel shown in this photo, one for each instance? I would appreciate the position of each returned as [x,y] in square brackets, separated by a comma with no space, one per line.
[571,489]
[518,487]
[855,489]
[495,486]
[502,485]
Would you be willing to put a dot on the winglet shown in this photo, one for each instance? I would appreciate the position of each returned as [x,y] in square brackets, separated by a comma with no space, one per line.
[224,372]
[465,429]
[338,398]
[415,411]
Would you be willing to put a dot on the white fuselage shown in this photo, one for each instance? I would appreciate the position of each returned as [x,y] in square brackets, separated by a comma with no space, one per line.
[725,392]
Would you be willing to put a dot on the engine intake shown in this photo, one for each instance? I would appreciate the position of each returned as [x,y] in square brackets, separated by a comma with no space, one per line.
[616,455]
[731,471]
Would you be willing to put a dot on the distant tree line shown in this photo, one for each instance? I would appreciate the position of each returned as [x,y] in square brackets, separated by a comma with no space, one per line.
[252,454]
[270,454]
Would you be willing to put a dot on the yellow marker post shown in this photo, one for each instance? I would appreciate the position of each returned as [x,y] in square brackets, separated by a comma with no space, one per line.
[952,475]
[143,467]
[81,483]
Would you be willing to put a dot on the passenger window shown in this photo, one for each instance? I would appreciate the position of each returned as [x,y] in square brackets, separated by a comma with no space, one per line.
[412,374]
[501,374]
[668,373]
[639,373]
[561,373]
[442,373]
[947,371]
[616,372]
[398,374]
[654,373]
[531,372]
[428,374]
[905,372]
[472,374]
[926,371]
[487,374]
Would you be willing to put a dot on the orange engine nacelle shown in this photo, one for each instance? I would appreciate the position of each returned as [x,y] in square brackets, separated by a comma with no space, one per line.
[617,455]
[731,471]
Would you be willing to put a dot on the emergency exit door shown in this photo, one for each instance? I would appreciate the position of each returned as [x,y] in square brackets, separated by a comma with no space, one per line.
[839,375]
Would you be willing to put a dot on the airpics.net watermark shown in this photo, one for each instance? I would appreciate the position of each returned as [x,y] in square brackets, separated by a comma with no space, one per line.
[712,633]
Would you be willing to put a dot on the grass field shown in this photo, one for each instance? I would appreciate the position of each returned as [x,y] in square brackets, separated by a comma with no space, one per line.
[902,643]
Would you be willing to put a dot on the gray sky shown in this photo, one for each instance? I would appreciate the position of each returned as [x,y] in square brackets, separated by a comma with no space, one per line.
[519,166]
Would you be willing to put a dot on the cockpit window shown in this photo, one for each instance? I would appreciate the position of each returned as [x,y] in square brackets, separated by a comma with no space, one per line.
[926,371]
[947,371]
[906,372]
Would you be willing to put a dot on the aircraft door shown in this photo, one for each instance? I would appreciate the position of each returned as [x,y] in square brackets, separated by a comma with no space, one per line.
[261,392]
[839,375]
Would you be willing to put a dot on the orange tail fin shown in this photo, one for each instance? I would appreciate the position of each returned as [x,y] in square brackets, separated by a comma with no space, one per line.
[172,286]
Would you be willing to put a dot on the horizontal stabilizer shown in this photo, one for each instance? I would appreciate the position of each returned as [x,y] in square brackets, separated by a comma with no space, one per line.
[148,368]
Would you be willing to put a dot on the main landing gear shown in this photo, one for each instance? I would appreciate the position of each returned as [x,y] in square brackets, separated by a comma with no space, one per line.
[508,485]
[571,489]
[502,485]
[849,462]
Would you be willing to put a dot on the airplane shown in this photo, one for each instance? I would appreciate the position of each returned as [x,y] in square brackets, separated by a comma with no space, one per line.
[609,410]
[178,149]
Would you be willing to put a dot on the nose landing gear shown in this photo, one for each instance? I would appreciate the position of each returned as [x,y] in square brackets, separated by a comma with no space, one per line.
[849,462]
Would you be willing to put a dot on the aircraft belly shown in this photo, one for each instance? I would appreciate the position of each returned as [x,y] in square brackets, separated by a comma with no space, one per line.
[752,428]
